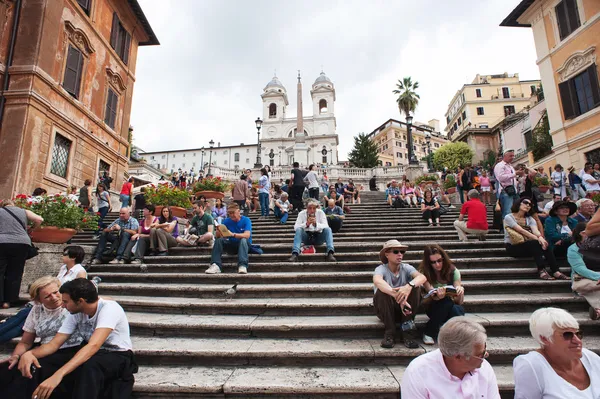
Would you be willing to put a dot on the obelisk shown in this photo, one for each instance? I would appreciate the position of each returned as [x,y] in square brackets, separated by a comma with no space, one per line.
[300,147]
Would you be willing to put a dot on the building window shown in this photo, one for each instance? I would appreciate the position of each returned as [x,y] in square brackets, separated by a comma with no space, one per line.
[580,93]
[174,155]
[272,161]
[464,115]
[480,111]
[459,121]
[478,93]
[323,106]
[152,157]
[73,71]
[120,39]
[455,126]
[436,145]
[163,157]
[60,156]
[247,160]
[398,155]
[236,157]
[273,110]
[528,139]
[110,114]
[103,167]
[505,92]
[225,162]
[247,150]
[509,110]
[194,154]
[85,5]
[567,17]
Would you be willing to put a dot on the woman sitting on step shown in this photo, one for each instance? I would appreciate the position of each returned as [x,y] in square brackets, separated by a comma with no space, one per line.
[522,239]
[585,281]
[141,240]
[561,367]
[442,302]
[408,194]
[164,234]
[430,208]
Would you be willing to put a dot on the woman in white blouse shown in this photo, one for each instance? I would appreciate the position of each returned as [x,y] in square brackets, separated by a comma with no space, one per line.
[558,178]
[561,368]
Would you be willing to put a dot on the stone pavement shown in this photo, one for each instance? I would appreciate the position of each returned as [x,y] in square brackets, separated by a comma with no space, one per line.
[308,329]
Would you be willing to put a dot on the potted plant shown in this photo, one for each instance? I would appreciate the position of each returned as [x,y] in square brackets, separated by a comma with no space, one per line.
[163,195]
[450,184]
[426,179]
[63,217]
[211,187]
[542,183]
[596,199]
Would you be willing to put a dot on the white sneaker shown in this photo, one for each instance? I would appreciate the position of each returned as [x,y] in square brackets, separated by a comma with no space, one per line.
[452,207]
[242,270]
[96,261]
[213,269]
[136,262]
[427,340]
[121,261]
[115,261]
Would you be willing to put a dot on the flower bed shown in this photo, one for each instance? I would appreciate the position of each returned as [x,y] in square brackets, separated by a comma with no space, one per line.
[58,211]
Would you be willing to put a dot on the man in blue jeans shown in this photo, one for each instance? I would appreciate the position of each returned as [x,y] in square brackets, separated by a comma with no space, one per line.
[234,235]
[506,177]
[312,228]
[118,233]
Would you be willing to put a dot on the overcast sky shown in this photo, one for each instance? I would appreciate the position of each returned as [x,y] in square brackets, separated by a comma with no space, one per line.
[205,79]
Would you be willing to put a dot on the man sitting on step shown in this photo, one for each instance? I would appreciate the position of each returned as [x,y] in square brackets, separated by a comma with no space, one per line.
[335,216]
[397,295]
[312,229]
[234,235]
[457,369]
[118,233]
[332,194]
[201,226]
[477,218]
[393,193]
[103,363]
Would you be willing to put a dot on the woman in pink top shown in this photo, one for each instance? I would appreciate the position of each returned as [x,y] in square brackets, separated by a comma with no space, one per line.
[486,187]
[408,195]
[142,238]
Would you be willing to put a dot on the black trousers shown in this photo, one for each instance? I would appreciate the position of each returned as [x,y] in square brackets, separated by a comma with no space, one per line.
[106,375]
[296,197]
[389,312]
[431,214]
[534,249]
[313,193]
[12,264]
[335,224]
[440,312]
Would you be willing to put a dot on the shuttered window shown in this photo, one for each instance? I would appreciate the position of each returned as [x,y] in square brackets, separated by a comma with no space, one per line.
[85,5]
[120,39]
[581,93]
[73,71]
[110,114]
[567,17]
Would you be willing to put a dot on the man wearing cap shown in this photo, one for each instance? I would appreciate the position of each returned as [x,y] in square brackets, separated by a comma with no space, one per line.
[585,210]
[505,175]
[393,193]
[477,218]
[312,229]
[397,294]
[558,227]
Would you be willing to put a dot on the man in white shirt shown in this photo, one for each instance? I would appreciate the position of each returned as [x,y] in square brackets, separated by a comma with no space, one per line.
[457,369]
[312,229]
[505,175]
[550,204]
[105,357]
[592,185]
[313,182]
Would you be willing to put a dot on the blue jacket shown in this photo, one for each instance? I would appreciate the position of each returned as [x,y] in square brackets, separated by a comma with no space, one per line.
[552,228]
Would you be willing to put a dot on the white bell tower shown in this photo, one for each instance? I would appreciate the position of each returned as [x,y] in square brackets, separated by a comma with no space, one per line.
[323,97]
[275,101]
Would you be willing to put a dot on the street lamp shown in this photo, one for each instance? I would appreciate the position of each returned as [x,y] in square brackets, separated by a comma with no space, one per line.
[258,163]
[429,160]
[211,143]
[202,160]
[412,159]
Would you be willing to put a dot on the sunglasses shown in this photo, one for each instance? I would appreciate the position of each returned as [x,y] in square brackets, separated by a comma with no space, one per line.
[526,203]
[398,251]
[568,335]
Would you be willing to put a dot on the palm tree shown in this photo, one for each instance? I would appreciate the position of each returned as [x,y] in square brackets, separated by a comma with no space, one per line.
[407,99]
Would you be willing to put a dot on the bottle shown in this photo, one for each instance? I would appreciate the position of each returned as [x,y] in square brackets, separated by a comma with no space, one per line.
[96,281]
[408,325]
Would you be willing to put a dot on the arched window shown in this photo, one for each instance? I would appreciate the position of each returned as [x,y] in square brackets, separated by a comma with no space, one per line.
[273,110]
[323,106]
[236,157]
[292,133]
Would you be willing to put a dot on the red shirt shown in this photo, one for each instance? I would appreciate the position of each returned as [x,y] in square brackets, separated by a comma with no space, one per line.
[477,214]
[126,189]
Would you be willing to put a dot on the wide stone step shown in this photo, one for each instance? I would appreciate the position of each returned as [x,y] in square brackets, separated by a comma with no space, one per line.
[322,290]
[333,306]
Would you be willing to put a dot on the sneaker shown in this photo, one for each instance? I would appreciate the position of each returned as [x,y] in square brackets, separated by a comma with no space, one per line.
[242,269]
[115,261]
[213,269]
[121,261]
[388,342]
[594,313]
[452,207]
[427,340]
[330,257]
[96,261]
[293,258]
[136,262]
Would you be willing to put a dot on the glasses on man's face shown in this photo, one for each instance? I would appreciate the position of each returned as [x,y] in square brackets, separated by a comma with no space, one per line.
[568,335]
[398,251]
[484,355]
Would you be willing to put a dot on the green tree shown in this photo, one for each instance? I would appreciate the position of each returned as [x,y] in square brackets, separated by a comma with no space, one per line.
[541,145]
[452,156]
[408,99]
[364,153]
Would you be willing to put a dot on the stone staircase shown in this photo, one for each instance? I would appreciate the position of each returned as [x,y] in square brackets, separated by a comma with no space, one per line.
[308,329]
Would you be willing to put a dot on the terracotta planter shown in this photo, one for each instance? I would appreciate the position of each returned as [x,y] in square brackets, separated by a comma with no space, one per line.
[210,194]
[544,189]
[175,210]
[451,190]
[52,235]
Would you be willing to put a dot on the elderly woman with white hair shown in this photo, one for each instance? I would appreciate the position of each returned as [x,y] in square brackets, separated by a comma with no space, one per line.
[457,369]
[561,367]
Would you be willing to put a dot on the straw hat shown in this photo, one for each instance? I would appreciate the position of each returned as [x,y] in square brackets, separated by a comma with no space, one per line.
[561,204]
[389,245]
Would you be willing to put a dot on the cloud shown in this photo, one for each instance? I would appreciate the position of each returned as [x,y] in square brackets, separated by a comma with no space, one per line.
[204,81]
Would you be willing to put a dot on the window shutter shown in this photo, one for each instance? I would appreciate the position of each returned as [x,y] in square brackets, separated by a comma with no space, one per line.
[567,101]
[72,79]
[113,111]
[114,33]
[79,73]
[85,5]
[572,15]
[592,72]
[561,19]
[125,57]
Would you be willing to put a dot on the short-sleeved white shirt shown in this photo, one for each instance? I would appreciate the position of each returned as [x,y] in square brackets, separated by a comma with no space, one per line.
[45,323]
[65,275]
[108,315]
[536,379]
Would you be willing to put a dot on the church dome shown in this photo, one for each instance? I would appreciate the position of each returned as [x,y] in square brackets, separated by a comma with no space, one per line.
[323,80]
[275,83]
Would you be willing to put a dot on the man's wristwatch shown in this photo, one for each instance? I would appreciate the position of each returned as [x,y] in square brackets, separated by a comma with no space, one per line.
[411,284]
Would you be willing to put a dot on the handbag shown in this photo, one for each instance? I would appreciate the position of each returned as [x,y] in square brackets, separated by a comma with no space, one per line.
[32,251]
[443,210]
[515,237]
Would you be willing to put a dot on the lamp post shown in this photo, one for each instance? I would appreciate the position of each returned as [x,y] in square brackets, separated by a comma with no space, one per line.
[258,163]
[202,160]
[412,159]
[429,160]
[211,143]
